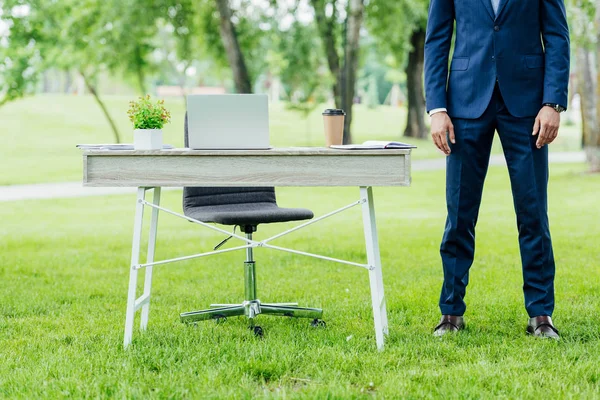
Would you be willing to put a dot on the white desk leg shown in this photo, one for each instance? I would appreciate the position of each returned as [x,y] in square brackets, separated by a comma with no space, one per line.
[374,260]
[135,260]
[150,259]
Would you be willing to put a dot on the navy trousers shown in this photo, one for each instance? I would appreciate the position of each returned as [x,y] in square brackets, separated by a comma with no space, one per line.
[465,174]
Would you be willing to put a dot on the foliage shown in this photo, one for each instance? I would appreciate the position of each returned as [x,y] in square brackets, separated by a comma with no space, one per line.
[146,114]
[21,47]
[399,27]
[252,27]
[372,94]
[210,38]
[300,68]
[128,29]
[392,22]
[581,22]
[374,79]
[88,36]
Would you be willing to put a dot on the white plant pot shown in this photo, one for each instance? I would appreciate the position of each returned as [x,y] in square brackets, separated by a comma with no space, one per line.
[147,139]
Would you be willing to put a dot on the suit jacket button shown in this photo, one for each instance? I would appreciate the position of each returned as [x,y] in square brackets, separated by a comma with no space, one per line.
[496,28]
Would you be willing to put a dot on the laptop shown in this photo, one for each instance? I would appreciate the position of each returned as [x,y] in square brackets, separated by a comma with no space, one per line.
[228,121]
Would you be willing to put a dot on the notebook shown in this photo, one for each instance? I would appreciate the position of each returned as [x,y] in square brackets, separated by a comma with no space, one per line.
[374,145]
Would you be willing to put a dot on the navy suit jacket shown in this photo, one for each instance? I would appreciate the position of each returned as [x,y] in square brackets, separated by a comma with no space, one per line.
[525,49]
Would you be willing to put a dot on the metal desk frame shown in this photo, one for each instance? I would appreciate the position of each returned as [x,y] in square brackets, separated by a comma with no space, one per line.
[152,170]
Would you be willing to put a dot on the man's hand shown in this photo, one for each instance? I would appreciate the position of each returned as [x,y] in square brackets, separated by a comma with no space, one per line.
[546,124]
[441,125]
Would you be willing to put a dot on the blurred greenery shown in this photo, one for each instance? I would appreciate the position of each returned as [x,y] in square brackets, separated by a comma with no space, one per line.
[45,129]
[141,44]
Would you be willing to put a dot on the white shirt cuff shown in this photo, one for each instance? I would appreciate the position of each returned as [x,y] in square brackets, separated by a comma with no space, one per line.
[437,110]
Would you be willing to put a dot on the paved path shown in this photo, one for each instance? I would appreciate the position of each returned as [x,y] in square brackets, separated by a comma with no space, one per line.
[75,189]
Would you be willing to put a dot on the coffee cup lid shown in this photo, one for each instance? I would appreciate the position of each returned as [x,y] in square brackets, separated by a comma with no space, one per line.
[334,111]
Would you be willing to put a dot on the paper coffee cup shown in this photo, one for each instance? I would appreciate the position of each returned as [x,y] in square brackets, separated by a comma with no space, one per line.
[333,120]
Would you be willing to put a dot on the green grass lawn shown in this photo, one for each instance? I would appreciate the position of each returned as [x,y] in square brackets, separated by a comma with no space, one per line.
[40,133]
[64,275]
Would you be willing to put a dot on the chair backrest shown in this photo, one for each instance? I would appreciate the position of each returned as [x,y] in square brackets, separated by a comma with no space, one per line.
[213,196]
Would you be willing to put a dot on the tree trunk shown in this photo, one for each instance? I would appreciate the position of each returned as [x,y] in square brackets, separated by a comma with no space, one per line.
[93,91]
[345,76]
[415,125]
[356,12]
[326,27]
[589,120]
[586,94]
[241,77]
[593,152]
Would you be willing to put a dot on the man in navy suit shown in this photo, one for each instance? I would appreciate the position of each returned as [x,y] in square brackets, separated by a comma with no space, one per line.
[509,73]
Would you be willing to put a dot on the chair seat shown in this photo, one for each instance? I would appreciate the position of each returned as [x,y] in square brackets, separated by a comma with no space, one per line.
[247,214]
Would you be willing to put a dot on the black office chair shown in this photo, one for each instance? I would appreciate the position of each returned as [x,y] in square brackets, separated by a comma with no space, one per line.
[246,208]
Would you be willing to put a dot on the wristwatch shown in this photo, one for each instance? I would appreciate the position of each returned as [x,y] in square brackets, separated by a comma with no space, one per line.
[557,107]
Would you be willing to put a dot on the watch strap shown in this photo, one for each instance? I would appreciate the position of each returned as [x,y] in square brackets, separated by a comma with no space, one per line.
[556,107]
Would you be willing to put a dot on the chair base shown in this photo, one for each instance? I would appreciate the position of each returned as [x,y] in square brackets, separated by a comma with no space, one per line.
[252,309]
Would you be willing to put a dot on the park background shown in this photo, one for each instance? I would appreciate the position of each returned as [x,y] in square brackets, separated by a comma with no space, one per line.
[68,69]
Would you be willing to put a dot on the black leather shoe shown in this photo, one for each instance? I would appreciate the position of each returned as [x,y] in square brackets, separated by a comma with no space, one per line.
[449,323]
[542,327]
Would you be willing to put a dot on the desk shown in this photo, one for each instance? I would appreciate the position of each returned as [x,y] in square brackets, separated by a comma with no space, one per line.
[303,167]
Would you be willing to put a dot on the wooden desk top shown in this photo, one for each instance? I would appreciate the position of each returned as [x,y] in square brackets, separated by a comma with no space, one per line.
[276,167]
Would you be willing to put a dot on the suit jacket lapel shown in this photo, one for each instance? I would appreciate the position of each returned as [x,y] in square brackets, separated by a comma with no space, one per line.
[489,8]
[501,7]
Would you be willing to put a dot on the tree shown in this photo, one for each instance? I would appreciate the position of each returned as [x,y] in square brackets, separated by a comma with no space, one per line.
[82,39]
[584,17]
[344,71]
[594,146]
[235,37]
[354,22]
[330,35]
[46,34]
[129,29]
[230,41]
[176,43]
[415,125]
[21,49]
[586,95]
[299,67]
[86,36]
[373,85]
[392,21]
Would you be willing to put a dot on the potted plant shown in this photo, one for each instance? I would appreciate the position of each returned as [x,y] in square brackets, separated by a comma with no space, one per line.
[148,118]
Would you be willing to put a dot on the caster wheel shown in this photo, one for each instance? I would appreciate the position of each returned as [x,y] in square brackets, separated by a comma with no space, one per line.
[258,331]
[318,323]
